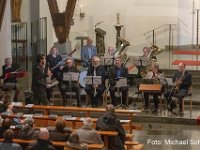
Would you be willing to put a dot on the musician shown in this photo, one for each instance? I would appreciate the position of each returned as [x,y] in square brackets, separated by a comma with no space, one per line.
[183,81]
[158,75]
[87,52]
[142,69]
[70,67]
[115,73]
[53,58]
[8,67]
[96,70]
[39,81]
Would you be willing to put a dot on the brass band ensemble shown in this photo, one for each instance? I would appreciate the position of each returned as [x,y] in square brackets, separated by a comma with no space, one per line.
[101,76]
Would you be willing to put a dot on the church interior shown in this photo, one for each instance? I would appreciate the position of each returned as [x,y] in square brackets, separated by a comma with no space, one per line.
[82,60]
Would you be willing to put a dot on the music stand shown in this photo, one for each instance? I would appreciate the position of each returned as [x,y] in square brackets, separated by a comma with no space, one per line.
[140,62]
[70,76]
[122,82]
[93,80]
[108,62]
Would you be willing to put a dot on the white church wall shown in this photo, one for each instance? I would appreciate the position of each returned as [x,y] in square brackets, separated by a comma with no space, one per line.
[5,36]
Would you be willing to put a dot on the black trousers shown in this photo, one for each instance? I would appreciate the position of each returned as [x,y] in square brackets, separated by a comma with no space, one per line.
[178,94]
[66,88]
[155,99]
[123,90]
[95,98]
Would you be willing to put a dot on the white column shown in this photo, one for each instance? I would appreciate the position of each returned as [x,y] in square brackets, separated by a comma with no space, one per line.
[5,36]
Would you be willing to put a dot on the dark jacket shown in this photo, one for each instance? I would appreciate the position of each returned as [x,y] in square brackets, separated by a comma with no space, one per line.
[11,79]
[100,71]
[38,79]
[109,122]
[186,80]
[52,62]
[41,145]
[2,130]
[60,136]
[113,74]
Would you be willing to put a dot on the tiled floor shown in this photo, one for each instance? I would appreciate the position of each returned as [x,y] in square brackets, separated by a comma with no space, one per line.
[158,137]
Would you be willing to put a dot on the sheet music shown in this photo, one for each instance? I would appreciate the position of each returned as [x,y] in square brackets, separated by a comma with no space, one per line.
[122,82]
[73,76]
[169,81]
[93,80]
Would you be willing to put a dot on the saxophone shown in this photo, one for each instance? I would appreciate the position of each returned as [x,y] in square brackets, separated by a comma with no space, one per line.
[179,81]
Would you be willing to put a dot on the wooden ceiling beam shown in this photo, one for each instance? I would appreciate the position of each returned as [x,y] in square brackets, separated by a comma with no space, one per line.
[2,11]
[62,21]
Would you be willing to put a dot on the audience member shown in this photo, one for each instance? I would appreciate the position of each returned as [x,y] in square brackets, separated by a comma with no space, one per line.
[110,122]
[7,143]
[87,134]
[43,143]
[61,133]
[5,125]
[28,132]
[74,143]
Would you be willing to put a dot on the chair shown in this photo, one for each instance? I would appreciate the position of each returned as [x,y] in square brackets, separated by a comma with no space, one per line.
[56,97]
[188,95]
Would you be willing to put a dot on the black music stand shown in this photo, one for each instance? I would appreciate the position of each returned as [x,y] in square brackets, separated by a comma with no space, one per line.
[70,76]
[93,80]
[140,63]
[108,62]
[122,82]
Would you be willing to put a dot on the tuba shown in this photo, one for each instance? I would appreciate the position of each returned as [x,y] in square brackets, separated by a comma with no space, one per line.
[155,50]
[120,50]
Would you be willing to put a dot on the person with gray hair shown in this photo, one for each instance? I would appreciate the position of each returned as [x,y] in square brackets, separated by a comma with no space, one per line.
[43,142]
[109,122]
[87,134]
[65,85]
[28,132]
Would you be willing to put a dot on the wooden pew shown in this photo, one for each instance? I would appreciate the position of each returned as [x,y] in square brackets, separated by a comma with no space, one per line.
[56,144]
[46,109]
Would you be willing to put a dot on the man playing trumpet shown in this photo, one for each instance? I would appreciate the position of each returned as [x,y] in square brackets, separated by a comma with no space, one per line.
[183,81]
[154,73]
[96,91]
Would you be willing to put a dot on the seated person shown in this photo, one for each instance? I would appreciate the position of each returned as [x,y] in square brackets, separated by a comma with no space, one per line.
[74,143]
[4,126]
[96,91]
[110,122]
[60,133]
[158,75]
[28,132]
[87,134]
[9,82]
[69,67]
[7,143]
[117,72]
[43,142]
[183,81]
[4,102]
